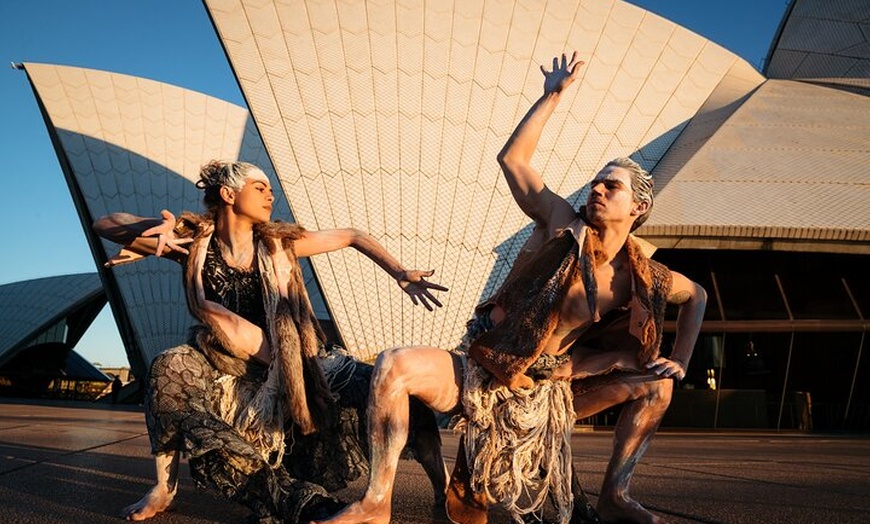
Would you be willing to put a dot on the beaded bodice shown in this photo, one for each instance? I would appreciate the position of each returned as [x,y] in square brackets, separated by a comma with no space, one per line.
[238,290]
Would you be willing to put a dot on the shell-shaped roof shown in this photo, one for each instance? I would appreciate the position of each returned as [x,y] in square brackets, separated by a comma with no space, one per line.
[823,40]
[136,145]
[785,168]
[388,114]
[34,310]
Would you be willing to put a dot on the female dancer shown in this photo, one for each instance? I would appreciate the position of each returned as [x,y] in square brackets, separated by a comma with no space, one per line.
[251,370]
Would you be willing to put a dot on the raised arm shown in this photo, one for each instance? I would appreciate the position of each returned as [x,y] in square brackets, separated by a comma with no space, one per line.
[412,281]
[692,301]
[545,207]
[141,236]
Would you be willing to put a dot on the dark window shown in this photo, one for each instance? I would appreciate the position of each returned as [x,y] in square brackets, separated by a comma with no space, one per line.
[814,289]
[822,366]
[750,294]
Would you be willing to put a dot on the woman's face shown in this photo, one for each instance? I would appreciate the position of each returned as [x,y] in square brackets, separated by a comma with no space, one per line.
[254,200]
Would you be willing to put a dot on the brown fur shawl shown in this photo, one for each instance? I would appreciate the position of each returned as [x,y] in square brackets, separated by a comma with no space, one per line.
[293,334]
[532,297]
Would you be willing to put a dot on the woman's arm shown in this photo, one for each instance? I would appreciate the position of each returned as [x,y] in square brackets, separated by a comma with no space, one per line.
[411,281]
[141,236]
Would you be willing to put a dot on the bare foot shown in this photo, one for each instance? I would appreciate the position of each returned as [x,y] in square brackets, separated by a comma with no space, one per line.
[625,509]
[154,502]
[362,512]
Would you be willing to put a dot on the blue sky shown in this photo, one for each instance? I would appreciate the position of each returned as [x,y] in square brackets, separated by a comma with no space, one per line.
[173,41]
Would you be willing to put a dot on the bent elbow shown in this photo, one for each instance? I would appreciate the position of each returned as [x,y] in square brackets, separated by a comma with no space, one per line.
[356,237]
[700,296]
[98,224]
[501,158]
[509,162]
[104,227]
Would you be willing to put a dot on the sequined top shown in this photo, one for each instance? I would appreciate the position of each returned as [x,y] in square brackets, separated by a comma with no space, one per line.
[238,290]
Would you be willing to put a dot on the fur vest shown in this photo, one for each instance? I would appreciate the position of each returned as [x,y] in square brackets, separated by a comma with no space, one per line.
[293,385]
[533,293]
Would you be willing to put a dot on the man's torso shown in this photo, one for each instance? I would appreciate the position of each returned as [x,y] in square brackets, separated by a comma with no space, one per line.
[614,290]
[613,280]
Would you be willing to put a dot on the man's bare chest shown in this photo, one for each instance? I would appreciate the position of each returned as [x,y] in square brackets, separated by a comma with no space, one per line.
[613,291]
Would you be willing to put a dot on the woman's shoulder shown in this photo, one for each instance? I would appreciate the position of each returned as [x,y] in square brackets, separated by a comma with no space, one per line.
[285,231]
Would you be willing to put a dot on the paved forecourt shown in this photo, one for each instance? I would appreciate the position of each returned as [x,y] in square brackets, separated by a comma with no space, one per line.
[63,462]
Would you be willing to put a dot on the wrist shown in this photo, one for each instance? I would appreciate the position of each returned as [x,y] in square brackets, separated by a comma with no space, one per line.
[552,96]
[682,362]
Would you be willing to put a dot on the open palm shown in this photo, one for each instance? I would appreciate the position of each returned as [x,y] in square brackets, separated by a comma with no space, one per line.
[563,74]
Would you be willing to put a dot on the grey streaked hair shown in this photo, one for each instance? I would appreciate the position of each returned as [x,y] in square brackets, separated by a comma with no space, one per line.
[641,185]
[217,174]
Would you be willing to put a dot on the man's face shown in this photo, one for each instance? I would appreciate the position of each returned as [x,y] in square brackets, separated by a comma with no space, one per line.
[611,198]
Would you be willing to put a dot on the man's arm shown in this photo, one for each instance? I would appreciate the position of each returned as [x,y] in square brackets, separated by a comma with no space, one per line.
[692,300]
[546,208]
[412,281]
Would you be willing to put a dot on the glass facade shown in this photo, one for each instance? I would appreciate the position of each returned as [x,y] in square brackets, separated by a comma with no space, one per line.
[783,341]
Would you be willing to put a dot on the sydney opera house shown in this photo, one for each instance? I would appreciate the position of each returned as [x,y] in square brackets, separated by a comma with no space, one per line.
[387,115]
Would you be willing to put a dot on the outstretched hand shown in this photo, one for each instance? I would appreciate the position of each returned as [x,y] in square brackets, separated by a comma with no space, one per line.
[165,233]
[563,74]
[414,284]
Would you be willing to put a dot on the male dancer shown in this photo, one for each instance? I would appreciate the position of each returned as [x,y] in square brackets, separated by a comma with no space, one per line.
[582,302]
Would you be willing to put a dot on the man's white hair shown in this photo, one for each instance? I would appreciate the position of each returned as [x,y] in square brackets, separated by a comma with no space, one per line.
[641,185]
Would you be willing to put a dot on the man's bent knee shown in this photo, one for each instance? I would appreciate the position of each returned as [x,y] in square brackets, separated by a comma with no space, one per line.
[652,399]
[428,373]
[391,367]
[659,392]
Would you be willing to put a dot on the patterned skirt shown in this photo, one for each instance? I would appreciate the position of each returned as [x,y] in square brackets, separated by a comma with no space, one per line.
[181,412]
